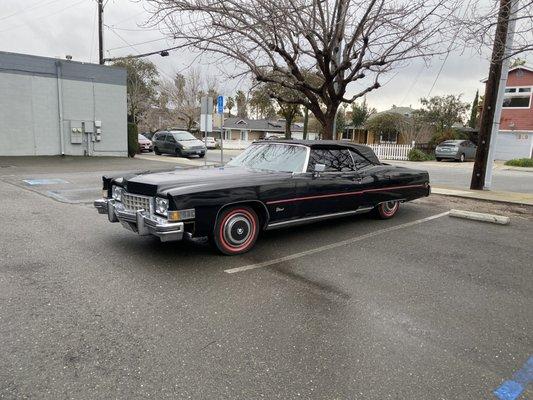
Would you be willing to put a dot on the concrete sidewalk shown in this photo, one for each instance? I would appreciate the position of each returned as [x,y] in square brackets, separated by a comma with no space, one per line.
[486,195]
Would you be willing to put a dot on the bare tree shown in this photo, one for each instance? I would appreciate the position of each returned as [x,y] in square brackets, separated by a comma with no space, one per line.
[339,41]
[183,94]
[478,26]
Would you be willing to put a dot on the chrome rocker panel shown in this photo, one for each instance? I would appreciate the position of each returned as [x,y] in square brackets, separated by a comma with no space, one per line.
[141,222]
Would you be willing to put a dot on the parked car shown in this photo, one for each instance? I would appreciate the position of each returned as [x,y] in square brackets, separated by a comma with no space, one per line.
[270,185]
[144,143]
[179,143]
[211,142]
[459,150]
[148,135]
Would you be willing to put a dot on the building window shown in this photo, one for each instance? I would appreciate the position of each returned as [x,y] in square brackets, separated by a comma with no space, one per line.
[390,137]
[517,97]
[347,134]
[244,135]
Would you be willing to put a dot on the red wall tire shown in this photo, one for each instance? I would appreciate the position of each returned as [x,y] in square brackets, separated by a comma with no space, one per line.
[387,210]
[236,230]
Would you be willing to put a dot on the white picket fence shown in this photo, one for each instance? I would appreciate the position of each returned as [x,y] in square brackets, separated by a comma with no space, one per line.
[391,151]
[235,144]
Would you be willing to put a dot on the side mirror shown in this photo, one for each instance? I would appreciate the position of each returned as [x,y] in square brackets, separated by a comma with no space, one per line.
[318,169]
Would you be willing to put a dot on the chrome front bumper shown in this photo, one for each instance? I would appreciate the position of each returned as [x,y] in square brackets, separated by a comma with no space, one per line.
[141,222]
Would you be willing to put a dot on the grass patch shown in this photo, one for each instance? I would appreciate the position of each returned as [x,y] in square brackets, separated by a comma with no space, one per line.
[520,162]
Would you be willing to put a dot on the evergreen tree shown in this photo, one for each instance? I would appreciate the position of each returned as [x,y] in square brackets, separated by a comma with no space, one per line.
[472,123]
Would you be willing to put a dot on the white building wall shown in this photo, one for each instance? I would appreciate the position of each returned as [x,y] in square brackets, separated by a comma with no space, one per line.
[29,107]
[510,145]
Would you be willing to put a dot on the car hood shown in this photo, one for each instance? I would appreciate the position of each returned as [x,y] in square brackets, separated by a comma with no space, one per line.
[184,181]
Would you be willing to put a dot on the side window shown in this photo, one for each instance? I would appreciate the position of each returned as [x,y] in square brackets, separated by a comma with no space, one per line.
[171,139]
[335,160]
[360,161]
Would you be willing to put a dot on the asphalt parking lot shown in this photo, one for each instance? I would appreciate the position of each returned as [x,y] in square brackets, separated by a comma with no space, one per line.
[422,306]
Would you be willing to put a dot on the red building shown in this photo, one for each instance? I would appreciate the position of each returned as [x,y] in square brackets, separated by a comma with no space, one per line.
[515,138]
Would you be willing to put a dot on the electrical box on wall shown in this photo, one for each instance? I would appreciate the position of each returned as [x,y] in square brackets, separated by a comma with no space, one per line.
[89,126]
[76,132]
[98,130]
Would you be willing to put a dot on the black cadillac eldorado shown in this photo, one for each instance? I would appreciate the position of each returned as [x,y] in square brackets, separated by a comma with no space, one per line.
[272,184]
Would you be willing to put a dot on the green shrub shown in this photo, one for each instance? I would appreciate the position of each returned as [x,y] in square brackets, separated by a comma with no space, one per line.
[520,162]
[418,155]
[133,139]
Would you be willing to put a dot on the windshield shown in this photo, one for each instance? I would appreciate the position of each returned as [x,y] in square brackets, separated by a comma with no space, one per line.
[272,157]
[181,136]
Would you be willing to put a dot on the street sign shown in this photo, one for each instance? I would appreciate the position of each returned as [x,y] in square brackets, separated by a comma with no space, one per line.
[220,104]
[206,116]
[206,105]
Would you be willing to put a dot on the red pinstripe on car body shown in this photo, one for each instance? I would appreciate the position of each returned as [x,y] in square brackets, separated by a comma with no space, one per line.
[322,196]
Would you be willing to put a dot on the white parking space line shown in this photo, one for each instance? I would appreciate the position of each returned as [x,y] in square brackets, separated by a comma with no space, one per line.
[333,245]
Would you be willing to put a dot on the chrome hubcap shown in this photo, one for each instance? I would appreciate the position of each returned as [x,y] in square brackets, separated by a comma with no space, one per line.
[389,206]
[237,229]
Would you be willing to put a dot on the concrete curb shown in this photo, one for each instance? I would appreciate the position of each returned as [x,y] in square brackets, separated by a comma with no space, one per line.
[475,216]
[522,199]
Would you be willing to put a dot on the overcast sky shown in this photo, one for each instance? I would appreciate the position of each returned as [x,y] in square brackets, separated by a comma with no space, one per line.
[55,28]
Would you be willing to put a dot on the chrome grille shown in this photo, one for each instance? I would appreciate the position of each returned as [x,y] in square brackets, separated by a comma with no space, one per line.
[136,202]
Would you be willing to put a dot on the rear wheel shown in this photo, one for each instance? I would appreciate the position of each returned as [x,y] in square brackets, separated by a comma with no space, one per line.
[236,230]
[386,210]
[156,151]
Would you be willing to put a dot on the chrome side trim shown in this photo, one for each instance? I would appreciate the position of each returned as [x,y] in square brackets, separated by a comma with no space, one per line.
[316,218]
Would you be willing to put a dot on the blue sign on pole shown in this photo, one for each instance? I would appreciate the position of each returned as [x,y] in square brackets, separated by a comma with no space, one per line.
[220,104]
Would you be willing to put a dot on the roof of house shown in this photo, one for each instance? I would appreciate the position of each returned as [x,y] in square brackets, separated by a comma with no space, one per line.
[265,125]
[524,67]
[405,111]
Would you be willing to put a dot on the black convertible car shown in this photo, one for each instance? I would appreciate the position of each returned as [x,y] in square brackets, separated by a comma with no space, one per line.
[272,184]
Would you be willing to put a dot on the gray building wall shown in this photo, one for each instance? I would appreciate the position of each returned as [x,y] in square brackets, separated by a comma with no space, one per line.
[30,97]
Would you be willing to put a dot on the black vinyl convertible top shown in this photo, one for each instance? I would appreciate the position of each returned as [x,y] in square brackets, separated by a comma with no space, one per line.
[365,151]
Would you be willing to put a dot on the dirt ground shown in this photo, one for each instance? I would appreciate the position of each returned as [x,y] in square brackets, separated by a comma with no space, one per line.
[459,203]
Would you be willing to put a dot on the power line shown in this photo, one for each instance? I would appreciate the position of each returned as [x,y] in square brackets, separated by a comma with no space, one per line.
[135,44]
[28,9]
[45,16]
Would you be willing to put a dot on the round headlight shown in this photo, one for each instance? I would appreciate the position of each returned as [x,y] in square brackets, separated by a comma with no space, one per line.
[116,193]
[161,206]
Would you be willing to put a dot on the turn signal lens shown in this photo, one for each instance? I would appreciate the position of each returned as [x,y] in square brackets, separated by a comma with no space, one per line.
[181,215]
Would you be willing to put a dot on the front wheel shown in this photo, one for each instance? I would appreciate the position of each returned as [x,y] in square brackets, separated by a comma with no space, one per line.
[462,158]
[236,230]
[438,159]
[386,210]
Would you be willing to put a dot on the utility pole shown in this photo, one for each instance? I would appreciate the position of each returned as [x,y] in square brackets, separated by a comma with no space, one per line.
[492,102]
[101,32]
